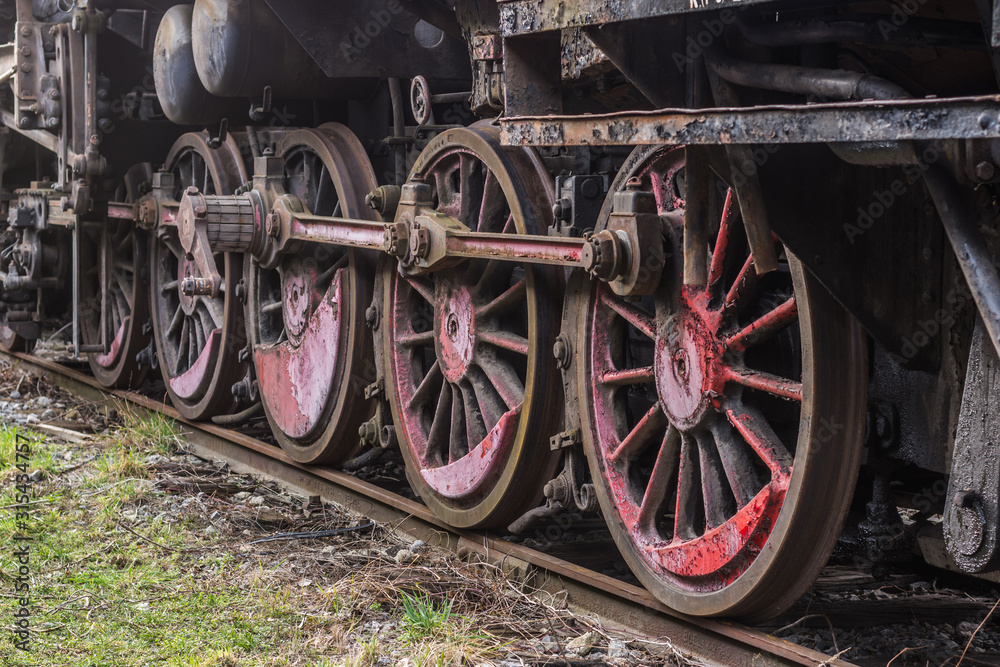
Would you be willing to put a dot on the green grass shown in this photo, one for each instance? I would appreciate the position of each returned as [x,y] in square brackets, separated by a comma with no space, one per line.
[103,596]
[423,619]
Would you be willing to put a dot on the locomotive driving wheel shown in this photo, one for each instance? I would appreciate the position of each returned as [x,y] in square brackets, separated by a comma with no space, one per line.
[10,340]
[198,338]
[306,317]
[469,367]
[723,424]
[125,270]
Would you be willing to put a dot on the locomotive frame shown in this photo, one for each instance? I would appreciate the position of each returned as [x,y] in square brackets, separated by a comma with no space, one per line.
[790,283]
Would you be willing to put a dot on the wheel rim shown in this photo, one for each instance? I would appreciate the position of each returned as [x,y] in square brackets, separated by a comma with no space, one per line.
[306,317]
[129,296]
[704,410]
[11,341]
[198,338]
[465,351]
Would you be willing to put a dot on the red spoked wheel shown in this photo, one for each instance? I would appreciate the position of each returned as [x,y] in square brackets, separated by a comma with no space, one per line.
[723,424]
[306,317]
[126,272]
[468,349]
[198,338]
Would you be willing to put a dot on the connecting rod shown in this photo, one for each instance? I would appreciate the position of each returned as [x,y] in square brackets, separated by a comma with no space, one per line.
[266,222]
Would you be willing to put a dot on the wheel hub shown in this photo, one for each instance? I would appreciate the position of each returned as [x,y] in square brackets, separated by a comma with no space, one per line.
[454,330]
[186,269]
[297,302]
[688,365]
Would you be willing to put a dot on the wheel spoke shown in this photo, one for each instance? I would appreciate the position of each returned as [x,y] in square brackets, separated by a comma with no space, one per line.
[740,472]
[764,327]
[628,377]
[761,437]
[199,335]
[175,321]
[183,344]
[714,486]
[492,207]
[513,297]
[491,406]
[323,186]
[474,423]
[722,241]
[169,286]
[505,380]
[415,339]
[505,340]
[632,314]
[471,186]
[173,244]
[216,312]
[272,308]
[658,487]
[427,386]
[449,202]
[123,246]
[422,287]
[508,225]
[437,436]
[743,284]
[641,435]
[766,382]
[208,323]
[689,500]
[126,289]
[457,437]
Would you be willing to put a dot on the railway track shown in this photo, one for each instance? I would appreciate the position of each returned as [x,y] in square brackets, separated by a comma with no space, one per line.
[620,605]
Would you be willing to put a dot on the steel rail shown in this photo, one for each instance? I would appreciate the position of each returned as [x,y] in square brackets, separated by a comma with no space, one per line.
[620,606]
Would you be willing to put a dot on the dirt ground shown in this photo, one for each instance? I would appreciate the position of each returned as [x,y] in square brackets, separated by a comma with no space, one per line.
[141,553]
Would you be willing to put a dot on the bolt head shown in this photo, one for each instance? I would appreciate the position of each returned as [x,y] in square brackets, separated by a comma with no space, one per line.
[590,256]
[985,171]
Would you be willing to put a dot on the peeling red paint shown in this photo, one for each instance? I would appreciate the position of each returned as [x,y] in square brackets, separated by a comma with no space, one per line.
[464,476]
[699,433]
[195,380]
[108,360]
[296,379]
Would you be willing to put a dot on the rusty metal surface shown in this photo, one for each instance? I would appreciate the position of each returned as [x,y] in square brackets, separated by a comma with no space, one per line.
[926,119]
[519,17]
[466,345]
[629,607]
[199,366]
[306,312]
[715,391]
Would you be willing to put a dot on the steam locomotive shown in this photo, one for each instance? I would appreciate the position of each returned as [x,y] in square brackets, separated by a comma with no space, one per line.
[723,270]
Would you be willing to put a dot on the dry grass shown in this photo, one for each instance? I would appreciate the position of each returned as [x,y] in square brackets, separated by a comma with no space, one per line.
[147,556]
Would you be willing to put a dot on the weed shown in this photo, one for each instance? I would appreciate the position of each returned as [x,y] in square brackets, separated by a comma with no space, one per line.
[368,655]
[423,619]
[151,432]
